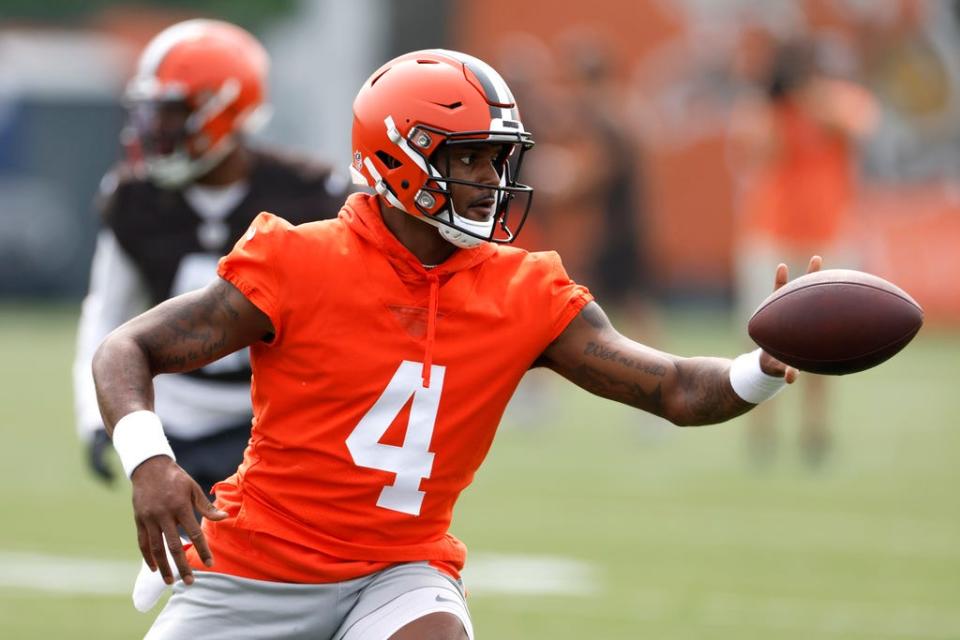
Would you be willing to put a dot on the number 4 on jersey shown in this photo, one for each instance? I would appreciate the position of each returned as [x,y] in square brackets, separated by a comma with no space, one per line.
[413,461]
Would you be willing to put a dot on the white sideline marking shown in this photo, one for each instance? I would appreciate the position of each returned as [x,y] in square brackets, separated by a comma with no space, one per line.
[487,574]
[66,574]
[518,574]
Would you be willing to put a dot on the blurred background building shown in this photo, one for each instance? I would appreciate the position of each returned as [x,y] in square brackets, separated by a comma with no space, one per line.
[631,102]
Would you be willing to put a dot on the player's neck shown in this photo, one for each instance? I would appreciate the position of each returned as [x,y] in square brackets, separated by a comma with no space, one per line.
[234,167]
[421,239]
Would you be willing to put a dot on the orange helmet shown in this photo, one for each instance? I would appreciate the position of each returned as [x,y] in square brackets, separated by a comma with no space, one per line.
[420,101]
[198,85]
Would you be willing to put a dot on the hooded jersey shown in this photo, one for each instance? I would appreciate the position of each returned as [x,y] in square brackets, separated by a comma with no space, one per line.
[378,396]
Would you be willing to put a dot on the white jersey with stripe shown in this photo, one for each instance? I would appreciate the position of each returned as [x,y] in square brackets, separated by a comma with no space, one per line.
[190,408]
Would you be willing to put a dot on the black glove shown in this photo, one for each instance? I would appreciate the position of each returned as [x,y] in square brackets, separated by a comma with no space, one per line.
[97,452]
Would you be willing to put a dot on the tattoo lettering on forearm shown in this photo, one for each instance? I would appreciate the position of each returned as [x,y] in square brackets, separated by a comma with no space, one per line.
[628,392]
[710,398]
[613,355]
[208,349]
[180,345]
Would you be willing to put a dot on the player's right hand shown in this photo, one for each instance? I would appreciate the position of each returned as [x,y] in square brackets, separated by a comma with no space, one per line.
[164,497]
[97,452]
[768,364]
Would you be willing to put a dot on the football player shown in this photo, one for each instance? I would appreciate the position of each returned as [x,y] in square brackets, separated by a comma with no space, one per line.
[794,147]
[408,314]
[190,185]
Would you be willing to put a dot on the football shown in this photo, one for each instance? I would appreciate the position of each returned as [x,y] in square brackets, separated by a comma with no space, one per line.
[835,322]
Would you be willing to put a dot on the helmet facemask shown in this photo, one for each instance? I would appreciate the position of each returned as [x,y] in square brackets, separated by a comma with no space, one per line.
[511,199]
[173,140]
[435,201]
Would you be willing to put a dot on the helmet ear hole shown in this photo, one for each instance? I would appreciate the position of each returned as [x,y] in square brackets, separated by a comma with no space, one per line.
[388,160]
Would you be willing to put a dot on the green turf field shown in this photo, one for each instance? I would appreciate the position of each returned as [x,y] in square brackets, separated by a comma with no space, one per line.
[672,533]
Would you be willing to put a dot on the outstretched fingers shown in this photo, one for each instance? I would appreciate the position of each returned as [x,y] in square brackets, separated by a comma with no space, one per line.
[773,367]
[781,276]
[790,375]
[157,551]
[768,363]
[193,529]
[815,263]
[143,541]
[175,545]
[159,541]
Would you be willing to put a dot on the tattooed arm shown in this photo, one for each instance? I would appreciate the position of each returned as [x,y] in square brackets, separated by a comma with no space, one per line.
[686,391]
[181,334]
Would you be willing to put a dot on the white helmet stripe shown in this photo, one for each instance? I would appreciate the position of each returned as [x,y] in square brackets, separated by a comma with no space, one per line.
[394,135]
[161,45]
[227,95]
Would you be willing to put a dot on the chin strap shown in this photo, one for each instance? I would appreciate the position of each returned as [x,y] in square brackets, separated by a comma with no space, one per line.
[456,236]
[179,169]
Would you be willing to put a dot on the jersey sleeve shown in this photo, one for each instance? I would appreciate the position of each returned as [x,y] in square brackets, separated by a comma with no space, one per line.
[564,297]
[253,266]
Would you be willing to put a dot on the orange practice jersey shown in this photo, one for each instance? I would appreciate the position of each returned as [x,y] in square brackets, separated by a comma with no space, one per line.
[804,197]
[354,463]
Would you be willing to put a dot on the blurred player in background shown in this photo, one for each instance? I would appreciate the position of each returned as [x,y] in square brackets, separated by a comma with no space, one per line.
[794,148]
[590,169]
[590,179]
[610,179]
[385,346]
[191,184]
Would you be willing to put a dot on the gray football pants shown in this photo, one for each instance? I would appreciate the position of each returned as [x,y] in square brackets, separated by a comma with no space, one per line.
[221,607]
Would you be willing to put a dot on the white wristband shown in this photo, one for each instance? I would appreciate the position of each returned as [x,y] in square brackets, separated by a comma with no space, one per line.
[138,436]
[750,382]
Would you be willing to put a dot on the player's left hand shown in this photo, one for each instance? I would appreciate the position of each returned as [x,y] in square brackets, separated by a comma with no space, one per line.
[164,497]
[768,364]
